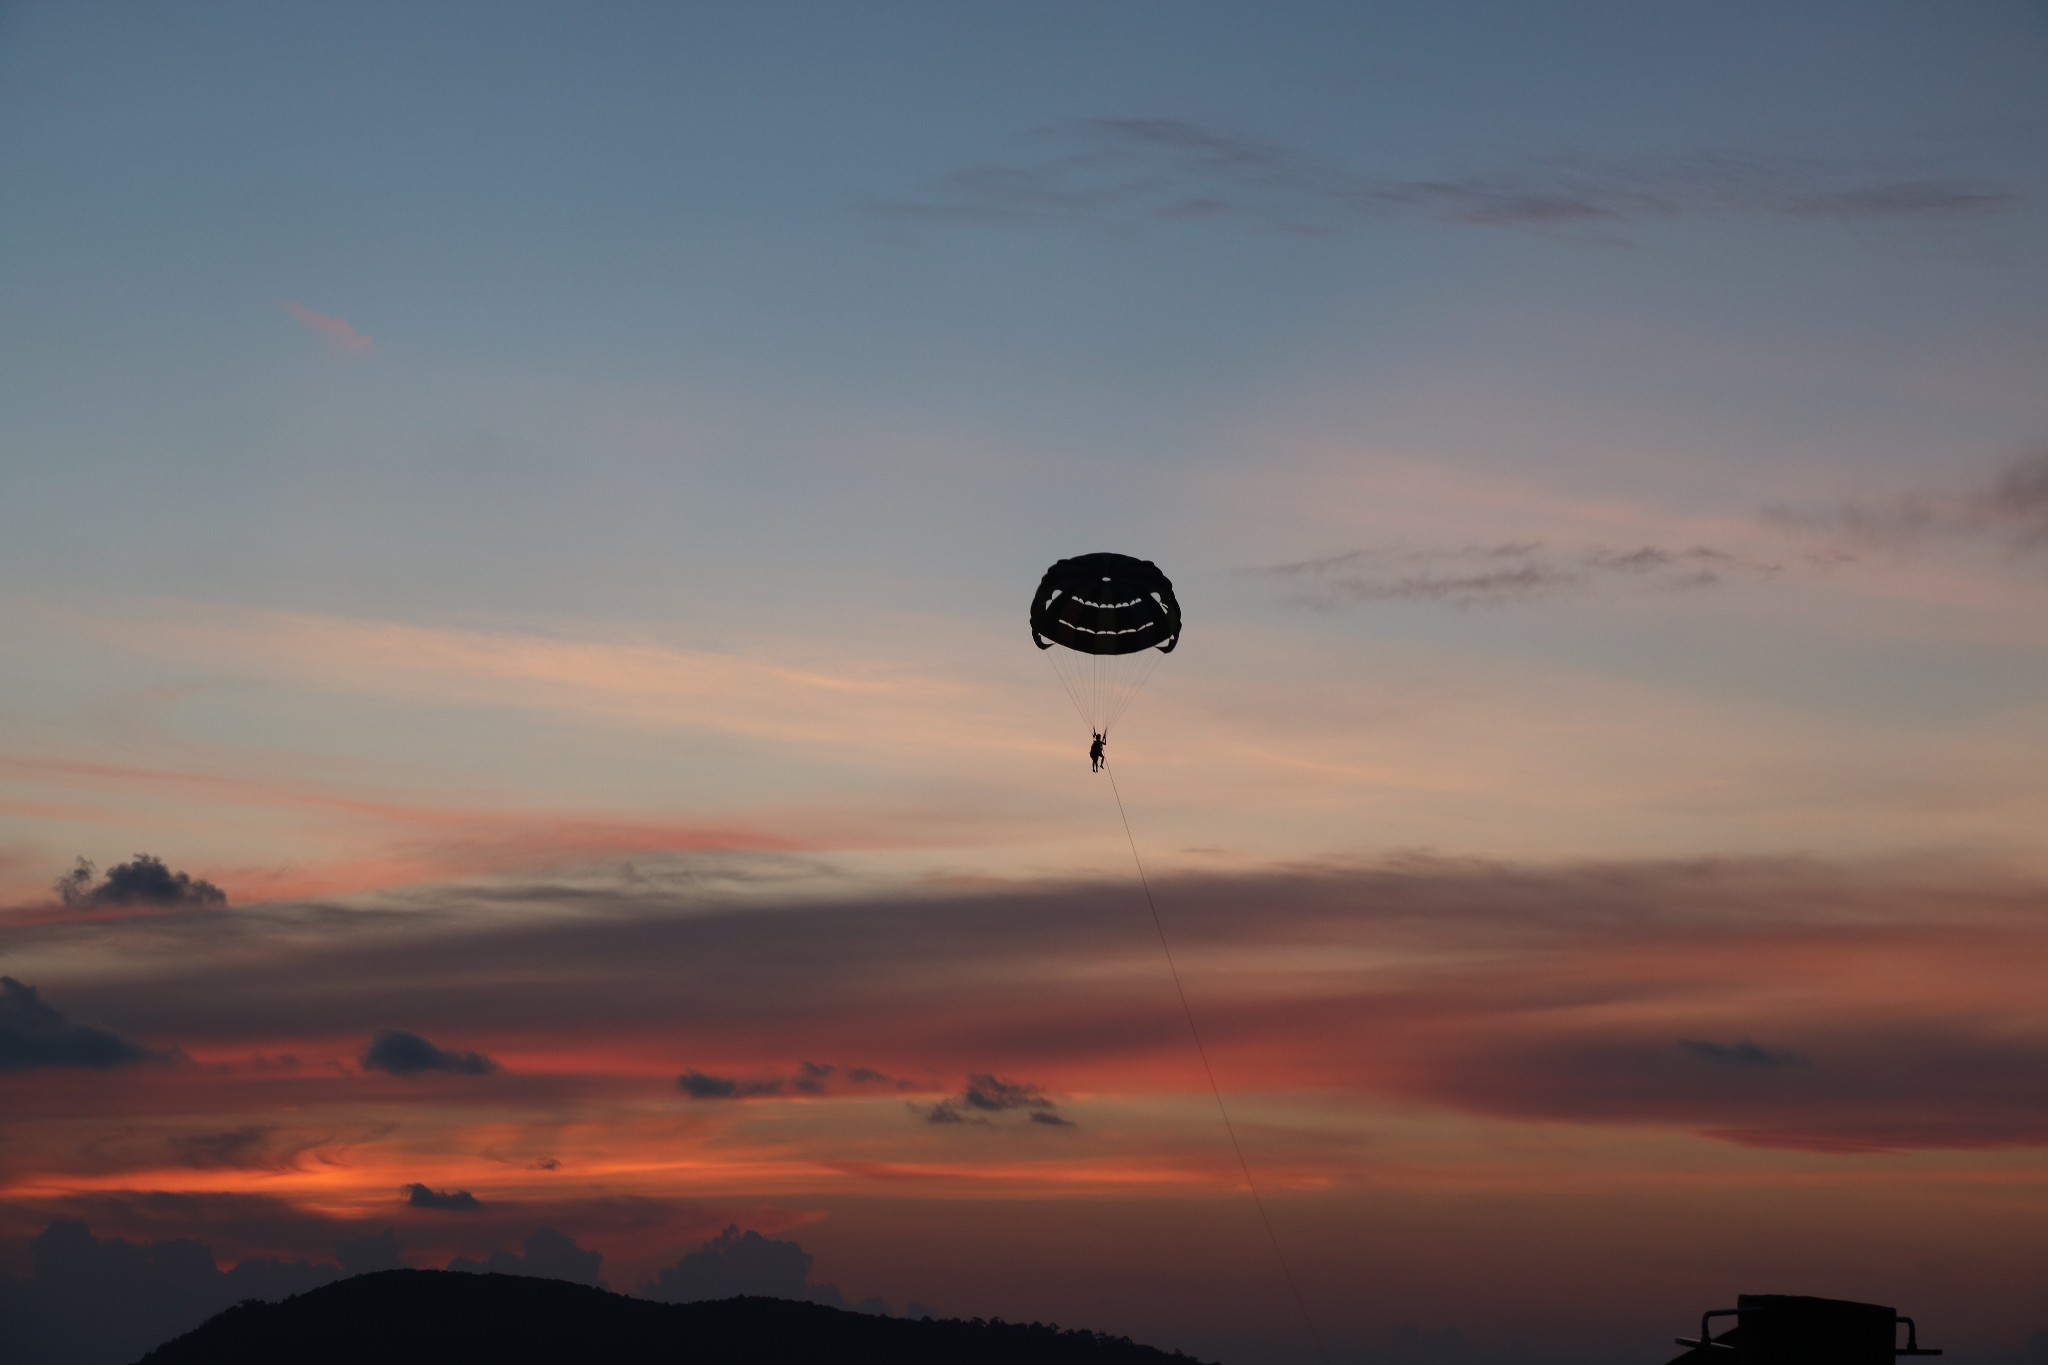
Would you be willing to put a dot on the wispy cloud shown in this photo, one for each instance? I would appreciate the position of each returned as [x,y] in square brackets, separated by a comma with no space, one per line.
[2008,510]
[1135,169]
[987,1096]
[254,1148]
[811,1078]
[700,1086]
[1506,573]
[337,330]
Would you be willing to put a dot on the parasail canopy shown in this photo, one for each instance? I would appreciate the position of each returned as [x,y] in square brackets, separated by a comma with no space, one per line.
[1111,616]
[1105,604]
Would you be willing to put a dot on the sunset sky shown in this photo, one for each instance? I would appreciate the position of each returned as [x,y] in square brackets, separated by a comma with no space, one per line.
[516,525]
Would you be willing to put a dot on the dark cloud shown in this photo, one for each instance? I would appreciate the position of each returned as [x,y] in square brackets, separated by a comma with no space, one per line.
[1503,574]
[699,1086]
[993,1095]
[144,881]
[1740,1054]
[1138,169]
[34,1034]
[449,1201]
[811,1078]
[245,1225]
[2008,510]
[237,1220]
[369,1254]
[548,1254]
[93,1301]
[106,1301]
[408,1054]
[986,1095]
[736,1262]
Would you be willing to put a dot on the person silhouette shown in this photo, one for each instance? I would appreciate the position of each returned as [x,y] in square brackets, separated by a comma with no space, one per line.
[1095,751]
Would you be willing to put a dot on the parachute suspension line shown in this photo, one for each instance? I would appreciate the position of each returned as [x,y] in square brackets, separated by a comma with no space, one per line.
[1128,678]
[1102,687]
[1215,1090]
[1076,684]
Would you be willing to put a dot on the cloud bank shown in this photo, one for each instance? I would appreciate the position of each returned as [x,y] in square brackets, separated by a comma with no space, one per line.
[60,1312]
[1649,994]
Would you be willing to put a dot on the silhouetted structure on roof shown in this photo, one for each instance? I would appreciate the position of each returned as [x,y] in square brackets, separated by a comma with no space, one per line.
[1792,1329]
[433,1317]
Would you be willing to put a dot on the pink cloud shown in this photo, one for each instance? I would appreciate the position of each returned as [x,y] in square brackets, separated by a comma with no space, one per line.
[336,330]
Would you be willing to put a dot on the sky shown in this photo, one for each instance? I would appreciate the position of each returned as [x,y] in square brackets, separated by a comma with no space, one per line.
[516,525]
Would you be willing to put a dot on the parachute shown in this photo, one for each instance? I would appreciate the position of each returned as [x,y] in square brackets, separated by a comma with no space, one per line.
[1111,617]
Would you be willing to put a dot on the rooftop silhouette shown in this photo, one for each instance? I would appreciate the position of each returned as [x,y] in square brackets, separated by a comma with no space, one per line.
[1796,1329]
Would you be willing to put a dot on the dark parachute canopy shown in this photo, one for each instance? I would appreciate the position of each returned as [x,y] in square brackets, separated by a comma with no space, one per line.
[1105,604]
[1112,616]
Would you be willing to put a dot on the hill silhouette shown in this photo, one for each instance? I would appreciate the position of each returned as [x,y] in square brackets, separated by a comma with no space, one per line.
[434,1317]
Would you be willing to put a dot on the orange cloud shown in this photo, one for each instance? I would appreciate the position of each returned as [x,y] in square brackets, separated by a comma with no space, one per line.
[336,330]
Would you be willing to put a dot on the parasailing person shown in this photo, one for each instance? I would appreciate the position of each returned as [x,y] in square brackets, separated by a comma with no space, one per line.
[1111,617]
